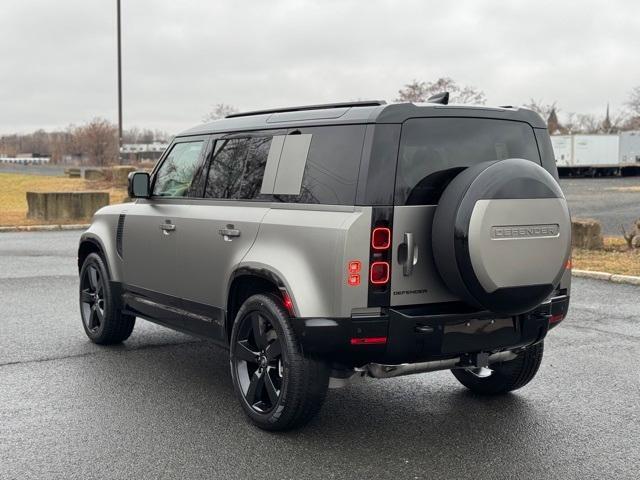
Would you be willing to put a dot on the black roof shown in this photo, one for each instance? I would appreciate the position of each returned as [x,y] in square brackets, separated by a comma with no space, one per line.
[357,113]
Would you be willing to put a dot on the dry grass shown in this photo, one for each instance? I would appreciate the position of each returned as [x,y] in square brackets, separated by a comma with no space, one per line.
[634,189]
[13,198]
[615,258]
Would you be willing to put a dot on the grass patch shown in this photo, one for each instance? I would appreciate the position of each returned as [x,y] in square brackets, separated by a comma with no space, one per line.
[14,187]
[614,258]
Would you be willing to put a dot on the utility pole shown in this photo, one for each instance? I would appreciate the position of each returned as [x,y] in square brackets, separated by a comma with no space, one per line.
[119,85]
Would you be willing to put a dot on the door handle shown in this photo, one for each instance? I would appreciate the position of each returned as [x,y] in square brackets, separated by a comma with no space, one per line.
[412,254]
[167,227]
[229,232]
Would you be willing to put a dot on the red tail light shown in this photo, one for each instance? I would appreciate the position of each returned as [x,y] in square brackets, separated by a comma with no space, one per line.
[369,341]
[379,273]
[556,318]
[381,238]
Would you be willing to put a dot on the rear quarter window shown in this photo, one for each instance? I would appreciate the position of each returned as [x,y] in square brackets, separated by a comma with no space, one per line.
[332,165]
[434,150]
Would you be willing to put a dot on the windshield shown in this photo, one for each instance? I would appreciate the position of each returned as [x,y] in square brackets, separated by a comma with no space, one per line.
[434,150]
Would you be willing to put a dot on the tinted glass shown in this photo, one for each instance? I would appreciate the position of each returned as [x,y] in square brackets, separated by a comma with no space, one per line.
[237,167]
[177,171]
[434,150]
[333,162]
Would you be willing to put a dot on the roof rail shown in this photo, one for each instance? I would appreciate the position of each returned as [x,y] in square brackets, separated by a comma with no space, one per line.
[365,103]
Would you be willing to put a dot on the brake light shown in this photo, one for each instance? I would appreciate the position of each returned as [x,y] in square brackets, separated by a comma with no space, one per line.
[369,341]
[379,273]
[381,238]
[355,266]
[353,280]
[568,265]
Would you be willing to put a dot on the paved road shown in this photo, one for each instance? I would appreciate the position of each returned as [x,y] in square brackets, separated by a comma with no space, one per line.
[161,405]
[613,201]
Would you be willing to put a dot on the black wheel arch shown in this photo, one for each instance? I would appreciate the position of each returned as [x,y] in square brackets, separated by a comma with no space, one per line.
[91,244]
[244,283]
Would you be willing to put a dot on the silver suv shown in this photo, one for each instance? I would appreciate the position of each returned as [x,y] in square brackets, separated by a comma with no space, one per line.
[326,243]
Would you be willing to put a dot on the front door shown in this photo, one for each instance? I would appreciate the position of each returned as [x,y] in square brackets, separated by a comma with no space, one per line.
[150,232]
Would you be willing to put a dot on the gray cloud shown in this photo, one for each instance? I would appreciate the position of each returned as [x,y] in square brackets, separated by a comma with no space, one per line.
[57,59]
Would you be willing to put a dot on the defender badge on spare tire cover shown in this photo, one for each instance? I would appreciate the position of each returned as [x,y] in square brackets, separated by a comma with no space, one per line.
[502,235]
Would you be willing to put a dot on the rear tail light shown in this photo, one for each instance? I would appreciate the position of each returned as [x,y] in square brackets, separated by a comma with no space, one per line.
[568,265]
[369,341]
[381,238]
[379,273]
[556,318]
[380,257]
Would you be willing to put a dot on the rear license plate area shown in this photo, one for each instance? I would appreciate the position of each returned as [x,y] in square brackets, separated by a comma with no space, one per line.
[479,334]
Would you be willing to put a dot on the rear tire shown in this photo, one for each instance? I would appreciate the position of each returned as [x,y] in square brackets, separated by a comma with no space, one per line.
[503,377]
[278,387]
[103,322]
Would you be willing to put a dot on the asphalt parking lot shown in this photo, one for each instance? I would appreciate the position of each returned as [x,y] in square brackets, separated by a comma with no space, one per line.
[611,200]
[161,405]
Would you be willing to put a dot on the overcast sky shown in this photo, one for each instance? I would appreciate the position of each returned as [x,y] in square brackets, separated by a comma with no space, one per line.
[180,58]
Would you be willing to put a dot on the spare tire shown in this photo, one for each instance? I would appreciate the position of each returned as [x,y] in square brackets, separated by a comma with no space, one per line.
[502,235]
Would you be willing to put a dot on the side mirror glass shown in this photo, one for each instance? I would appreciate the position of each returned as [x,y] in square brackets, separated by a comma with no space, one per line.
[139,185]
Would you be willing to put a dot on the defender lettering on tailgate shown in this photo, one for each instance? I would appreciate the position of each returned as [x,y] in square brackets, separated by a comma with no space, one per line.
[524,231]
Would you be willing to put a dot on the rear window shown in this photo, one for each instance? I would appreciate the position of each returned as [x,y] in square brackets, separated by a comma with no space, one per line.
[434,150]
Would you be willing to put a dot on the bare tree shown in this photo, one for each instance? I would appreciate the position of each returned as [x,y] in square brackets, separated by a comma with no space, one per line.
[221,110]
[98,141]
[633,102]
[417,91]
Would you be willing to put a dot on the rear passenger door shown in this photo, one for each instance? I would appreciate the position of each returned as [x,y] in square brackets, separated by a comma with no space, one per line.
[217,229]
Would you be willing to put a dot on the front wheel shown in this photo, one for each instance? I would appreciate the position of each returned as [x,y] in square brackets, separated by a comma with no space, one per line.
[503,377]
[102,321]
[279,388]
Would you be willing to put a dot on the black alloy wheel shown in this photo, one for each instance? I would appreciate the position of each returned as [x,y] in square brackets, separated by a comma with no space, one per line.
[102,318]
[278,386]
[258,362]
[92,298]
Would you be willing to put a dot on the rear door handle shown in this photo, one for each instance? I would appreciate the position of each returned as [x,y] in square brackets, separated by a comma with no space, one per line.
[167,227]
[229,232]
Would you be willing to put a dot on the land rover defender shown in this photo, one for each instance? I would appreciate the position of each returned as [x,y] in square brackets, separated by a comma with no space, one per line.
[325,243]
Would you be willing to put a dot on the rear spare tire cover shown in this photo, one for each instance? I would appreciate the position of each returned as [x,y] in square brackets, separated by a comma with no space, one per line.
[502,235]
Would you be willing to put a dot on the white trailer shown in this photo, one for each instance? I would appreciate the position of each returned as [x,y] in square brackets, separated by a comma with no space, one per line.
[563,149]
[597,155]
[595,150]
[630,148]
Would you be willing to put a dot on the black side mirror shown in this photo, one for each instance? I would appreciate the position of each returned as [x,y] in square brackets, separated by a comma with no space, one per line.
[139,185]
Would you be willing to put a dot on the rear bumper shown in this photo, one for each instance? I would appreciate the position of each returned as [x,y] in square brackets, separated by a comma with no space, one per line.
[424,333]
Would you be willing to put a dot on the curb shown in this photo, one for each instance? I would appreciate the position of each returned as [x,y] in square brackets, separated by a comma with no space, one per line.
[44,228]
[609,277]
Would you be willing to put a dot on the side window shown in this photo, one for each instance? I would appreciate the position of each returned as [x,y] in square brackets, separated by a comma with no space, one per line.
[237,168]
[177,171]
[333,162]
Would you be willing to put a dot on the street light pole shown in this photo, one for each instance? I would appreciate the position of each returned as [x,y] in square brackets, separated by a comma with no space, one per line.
[119,85]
